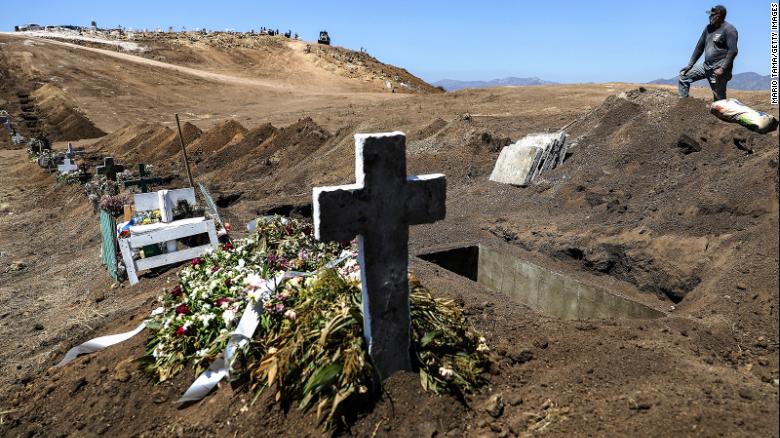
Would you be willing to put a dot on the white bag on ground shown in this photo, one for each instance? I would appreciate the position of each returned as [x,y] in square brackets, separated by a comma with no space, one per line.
[732,110]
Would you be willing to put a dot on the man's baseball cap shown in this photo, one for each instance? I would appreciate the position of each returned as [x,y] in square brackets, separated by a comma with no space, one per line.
[719,9]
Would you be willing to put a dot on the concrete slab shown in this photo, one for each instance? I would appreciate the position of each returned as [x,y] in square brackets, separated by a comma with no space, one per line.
[521,162]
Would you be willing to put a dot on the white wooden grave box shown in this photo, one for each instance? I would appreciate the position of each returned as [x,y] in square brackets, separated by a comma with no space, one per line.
[167,230]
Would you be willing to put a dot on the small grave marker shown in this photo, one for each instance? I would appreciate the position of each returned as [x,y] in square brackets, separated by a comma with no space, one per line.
[73,153]
[17,139]
[109,169]
[67,166]
[379,208]
[142,182]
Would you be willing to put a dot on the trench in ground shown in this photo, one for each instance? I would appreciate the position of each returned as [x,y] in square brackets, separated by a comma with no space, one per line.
[550,292]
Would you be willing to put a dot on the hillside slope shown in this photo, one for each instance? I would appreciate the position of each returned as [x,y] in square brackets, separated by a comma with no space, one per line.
[274,78]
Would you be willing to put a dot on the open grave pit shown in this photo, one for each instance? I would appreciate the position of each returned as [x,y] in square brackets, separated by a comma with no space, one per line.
[553,292]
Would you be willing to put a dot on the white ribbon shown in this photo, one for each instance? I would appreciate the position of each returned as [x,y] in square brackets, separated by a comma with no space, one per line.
[205,382]
[220,368]
[244,331]
[102,342]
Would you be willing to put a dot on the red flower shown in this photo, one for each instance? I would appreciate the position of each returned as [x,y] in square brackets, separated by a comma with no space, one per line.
[214,268]
[176,291]
[283,263]
[289,229]
[182,331]
[228,282]
[307,230]
[271,259]
[222,301]
[227,247]
[197,261]
[182,309]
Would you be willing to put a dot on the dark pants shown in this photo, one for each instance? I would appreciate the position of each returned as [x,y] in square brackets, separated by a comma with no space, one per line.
[699,72]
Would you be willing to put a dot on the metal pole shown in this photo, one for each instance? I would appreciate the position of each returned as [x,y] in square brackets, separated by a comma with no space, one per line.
[184,152]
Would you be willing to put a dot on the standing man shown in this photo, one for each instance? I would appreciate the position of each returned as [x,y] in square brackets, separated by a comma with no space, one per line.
[718,42]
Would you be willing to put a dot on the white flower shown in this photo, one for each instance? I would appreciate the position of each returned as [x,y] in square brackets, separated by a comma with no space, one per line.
[354,276]
[290,314]
[446,372]
[254,295]
[206,318]
[202,353]
[228,316]
[254,280]
[241,263]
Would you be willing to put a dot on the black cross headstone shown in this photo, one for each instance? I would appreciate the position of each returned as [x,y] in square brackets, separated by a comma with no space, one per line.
[142,182]
[109,169]
[379,208]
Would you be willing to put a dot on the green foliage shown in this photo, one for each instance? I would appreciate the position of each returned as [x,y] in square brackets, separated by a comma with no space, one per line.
[212,292]
[309,348]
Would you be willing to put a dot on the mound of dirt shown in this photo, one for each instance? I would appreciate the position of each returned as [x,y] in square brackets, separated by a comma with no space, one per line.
[647,156]
[62,120]
[434,127]
[225,133]
[287,149]
[170,149]
[135,142]
[248,147]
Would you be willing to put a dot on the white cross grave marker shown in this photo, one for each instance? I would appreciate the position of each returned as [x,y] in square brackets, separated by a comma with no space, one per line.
[379,208]
[67,166]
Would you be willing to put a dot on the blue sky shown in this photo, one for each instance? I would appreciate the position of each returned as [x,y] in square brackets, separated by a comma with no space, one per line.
[563,41]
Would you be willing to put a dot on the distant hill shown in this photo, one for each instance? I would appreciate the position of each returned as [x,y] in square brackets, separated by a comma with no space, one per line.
[454,85]
[740,81]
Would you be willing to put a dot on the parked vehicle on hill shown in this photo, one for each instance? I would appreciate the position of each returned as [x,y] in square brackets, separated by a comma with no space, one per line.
[324,38]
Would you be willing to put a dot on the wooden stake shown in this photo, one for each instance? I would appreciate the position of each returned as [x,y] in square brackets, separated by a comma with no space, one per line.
[184,152]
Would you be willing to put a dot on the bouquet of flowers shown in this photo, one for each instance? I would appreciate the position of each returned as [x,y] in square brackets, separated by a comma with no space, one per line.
[68,178]
[214,290]
[99,188]
[309,346]
[113,205]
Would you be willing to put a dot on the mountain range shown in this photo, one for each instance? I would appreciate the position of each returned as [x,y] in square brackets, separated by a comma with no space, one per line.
[740,81]
[455,85]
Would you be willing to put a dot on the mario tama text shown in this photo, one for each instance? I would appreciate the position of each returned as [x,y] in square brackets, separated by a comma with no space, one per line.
[774,51]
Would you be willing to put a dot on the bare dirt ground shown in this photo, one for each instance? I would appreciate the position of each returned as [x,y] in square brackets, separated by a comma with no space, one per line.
[692,233]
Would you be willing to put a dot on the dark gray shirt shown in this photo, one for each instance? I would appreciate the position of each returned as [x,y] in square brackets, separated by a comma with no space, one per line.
[719,47]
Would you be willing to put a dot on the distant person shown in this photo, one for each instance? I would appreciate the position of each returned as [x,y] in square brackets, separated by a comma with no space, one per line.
[718,42]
